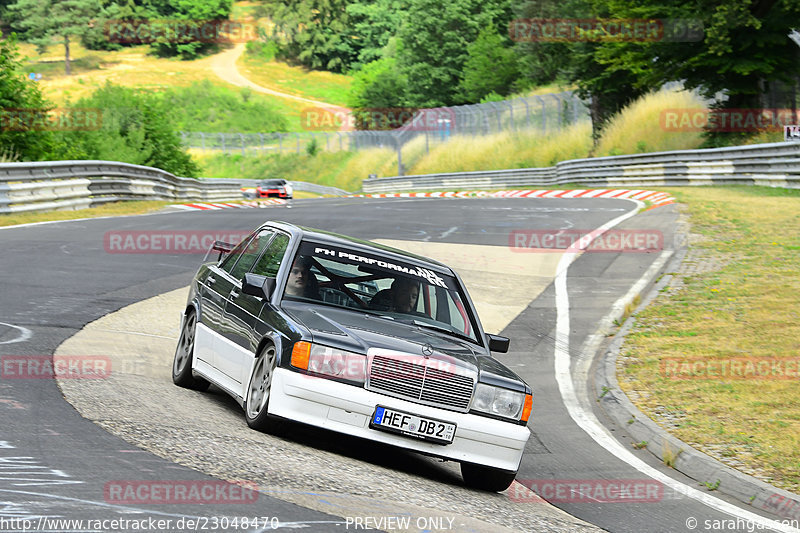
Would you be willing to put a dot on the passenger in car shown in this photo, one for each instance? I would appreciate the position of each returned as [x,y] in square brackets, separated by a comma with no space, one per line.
[400,298]
[405,293]
[302,281]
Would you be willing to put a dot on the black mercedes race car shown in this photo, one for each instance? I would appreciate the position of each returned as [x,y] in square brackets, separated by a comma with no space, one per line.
[359,338]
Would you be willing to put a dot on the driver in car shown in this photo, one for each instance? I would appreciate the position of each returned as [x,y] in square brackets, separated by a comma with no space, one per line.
[405,292]
[301,280]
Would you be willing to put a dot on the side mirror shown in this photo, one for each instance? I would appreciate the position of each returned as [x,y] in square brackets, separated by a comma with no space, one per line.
[497,343]
[256,285]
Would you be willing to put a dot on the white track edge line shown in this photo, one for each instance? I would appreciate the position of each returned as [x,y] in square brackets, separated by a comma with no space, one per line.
[588,422]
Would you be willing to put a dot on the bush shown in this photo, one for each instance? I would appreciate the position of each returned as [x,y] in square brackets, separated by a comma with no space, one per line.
[207,107]
[136,127]
[265,51]
[17,94]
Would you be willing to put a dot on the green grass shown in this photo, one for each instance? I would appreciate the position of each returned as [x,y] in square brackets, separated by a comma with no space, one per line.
[112,209]
[313,84]
[212,107]
[325,168]
[746,307]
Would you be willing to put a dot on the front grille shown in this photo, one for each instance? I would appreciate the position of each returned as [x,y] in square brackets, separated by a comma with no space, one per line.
[417,379]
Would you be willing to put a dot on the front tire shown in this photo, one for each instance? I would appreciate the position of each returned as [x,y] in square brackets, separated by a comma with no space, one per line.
[486,478]
[184,352]
[258,390]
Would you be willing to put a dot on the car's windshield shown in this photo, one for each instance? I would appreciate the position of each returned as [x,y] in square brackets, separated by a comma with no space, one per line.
[400,290]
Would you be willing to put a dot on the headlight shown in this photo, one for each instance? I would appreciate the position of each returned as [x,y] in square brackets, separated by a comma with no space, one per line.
[329,361]
[502,402]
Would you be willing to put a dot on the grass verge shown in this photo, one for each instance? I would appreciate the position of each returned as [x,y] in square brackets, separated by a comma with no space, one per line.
[319,85]
[733,302]
[112,209]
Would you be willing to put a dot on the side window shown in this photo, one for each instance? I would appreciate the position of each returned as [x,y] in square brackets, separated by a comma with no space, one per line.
[230,260]
[271,259]
[250,254]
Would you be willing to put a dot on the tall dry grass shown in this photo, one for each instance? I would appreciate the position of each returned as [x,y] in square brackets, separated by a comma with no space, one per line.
[506,150]
[641,126]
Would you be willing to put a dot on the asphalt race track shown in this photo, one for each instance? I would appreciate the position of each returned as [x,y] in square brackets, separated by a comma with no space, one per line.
[59,277]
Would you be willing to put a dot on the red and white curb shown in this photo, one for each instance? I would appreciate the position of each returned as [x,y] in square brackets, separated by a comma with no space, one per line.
[270,202]
[657,198]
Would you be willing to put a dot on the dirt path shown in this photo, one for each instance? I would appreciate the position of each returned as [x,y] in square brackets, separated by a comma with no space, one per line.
[224,66]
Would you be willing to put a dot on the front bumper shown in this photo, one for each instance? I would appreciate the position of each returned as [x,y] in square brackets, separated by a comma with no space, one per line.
[347,409]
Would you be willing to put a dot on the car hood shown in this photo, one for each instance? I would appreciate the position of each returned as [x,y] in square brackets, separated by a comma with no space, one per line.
[358,332]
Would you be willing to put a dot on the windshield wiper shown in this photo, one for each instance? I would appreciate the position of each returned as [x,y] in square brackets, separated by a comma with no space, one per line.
[442,329]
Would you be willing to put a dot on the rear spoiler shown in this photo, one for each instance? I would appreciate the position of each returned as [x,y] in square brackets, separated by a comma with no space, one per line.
[222,247]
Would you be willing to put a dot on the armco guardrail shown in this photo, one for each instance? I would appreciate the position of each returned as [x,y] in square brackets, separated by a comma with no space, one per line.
[774,165]
[49,185]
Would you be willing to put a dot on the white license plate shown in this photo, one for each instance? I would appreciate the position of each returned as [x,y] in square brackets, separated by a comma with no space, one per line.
[412,425]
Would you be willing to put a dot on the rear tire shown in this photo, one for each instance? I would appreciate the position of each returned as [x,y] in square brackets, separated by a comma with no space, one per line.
[258,390]
[486,478]
[184,354]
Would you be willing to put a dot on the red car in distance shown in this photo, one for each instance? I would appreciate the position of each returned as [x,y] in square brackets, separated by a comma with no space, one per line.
[276,188]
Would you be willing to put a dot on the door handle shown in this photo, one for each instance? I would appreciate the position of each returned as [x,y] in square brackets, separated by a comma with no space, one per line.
[233,295]
[210,281]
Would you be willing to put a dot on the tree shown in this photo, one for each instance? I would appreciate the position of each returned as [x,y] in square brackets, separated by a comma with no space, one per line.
[372,25]
[377,86]
[191,12]
[42,21]
[540,63]
[491,66]
[136,127]
[20,95]
[743,48]
[579,59]
[433,43]
[316,33]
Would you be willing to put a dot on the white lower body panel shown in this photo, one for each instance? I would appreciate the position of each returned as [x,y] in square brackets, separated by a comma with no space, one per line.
[348,409]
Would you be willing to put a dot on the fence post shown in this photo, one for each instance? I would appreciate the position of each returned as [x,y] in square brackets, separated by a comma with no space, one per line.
[527,111]
[399,155]
[544,114]
[558,109]
[280,143]
[241,138]
[261,138]
[298,142]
